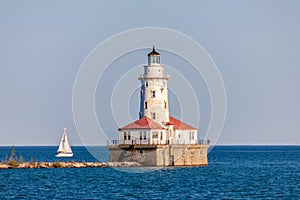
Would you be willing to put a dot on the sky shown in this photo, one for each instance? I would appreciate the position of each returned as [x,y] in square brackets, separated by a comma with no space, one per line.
[255,45]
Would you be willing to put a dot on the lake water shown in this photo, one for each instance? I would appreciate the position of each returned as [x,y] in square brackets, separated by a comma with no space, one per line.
[234,172]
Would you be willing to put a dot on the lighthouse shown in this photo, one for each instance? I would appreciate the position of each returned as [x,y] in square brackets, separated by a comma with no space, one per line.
[154,90]
[156,138]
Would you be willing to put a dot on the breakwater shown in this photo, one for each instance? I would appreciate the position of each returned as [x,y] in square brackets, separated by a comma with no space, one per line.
[34,165]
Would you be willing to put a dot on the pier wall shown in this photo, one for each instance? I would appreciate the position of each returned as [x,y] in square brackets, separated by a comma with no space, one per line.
[160,155]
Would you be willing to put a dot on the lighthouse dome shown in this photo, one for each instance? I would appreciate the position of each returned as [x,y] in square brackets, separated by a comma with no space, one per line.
[153,57]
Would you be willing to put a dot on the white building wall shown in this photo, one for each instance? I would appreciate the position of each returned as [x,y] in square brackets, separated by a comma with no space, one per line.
[158,136]
[133,136]
[137,136]
[185,137]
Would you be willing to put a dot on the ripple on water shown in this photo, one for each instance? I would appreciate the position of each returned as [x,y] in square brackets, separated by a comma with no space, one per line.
[233,173]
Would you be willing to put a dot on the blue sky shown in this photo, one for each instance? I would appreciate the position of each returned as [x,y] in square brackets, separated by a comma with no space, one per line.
[255,45]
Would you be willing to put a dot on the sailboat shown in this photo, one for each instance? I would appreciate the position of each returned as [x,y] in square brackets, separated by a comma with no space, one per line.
[64,149]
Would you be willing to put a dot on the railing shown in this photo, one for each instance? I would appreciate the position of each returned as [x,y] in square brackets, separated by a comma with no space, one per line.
[112,142]
[130,142]
[142,76]
[204,141]
[156,142]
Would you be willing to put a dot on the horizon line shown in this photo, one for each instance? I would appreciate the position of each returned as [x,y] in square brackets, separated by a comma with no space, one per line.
[102,145]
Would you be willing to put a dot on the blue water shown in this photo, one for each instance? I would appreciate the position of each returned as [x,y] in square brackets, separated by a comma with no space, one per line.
[234,172]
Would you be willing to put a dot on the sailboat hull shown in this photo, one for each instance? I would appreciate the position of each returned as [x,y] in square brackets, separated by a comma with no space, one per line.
[64,155]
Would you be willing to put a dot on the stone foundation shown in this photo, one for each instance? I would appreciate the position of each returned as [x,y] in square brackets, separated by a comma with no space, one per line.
[160,155]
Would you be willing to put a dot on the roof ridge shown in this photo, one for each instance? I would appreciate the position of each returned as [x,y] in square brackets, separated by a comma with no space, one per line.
[143,123]
[180,125]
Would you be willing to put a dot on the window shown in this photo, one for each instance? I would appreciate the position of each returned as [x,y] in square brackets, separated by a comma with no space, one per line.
[125,136]
[161,135]
[153,59]
[145,136]
[141,135]
[128,136]
[165,105]
[146,105]
[152,94]
[146,83]
[153,116]
[141,94]
[192,137]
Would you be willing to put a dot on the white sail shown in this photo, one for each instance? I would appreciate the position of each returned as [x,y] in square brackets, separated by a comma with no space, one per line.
[64,149]
[67,145]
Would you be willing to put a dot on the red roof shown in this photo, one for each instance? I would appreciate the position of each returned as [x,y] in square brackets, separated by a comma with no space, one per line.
[144,123]
[179,125]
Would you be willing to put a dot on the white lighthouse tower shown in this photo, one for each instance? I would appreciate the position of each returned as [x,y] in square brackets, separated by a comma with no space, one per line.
[156,138]
[154,90]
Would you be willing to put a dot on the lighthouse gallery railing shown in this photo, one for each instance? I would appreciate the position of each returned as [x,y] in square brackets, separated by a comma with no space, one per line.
[155,142]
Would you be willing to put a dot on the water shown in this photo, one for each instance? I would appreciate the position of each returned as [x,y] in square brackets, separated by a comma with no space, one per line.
[47,153]
[234,172]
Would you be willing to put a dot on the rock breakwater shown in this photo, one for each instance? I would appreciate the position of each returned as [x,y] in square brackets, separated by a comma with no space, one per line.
[33,165]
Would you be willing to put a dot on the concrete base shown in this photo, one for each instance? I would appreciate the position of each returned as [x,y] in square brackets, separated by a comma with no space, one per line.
[160,155]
